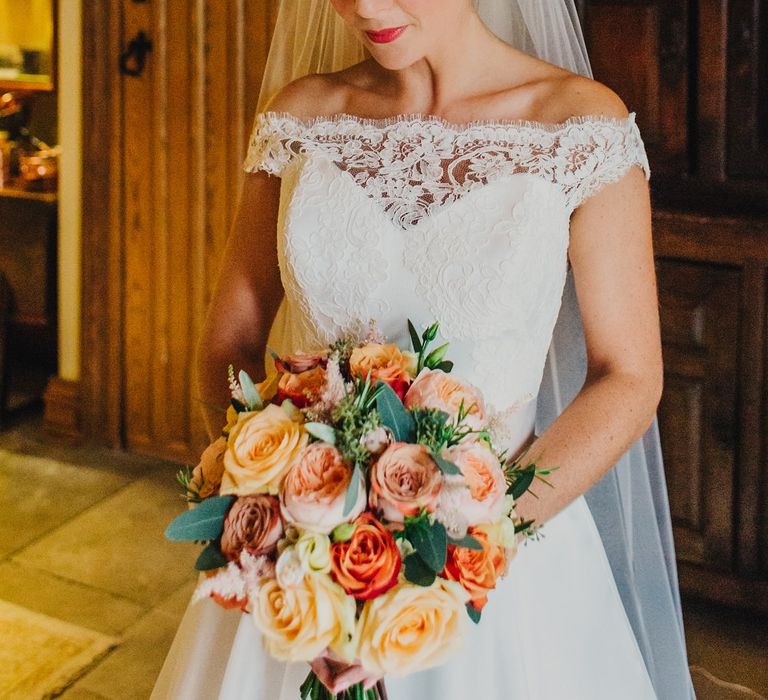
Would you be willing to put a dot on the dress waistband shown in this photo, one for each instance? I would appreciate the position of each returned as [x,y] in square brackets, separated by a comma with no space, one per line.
[512,427]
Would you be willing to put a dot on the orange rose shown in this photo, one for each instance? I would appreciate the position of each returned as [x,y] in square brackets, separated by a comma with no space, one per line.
[367,564]
[302,388]
[385,362]
[314,490]
[477,571]
[206,476]
[404,480]
[433,388]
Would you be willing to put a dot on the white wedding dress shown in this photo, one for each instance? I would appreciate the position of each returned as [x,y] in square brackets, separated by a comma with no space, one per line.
[414,217]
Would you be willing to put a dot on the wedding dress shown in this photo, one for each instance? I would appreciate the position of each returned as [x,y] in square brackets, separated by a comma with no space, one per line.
[414,217]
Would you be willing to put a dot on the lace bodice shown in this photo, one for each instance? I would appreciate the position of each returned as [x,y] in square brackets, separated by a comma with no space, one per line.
[415,217]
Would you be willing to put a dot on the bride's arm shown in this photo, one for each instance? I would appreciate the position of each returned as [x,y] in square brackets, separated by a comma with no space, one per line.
[246,297]
[611,254]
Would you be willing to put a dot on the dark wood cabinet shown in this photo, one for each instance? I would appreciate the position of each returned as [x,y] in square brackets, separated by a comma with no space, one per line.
[696,73]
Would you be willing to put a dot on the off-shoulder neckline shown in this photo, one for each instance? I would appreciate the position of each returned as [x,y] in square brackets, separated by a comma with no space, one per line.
[413,117]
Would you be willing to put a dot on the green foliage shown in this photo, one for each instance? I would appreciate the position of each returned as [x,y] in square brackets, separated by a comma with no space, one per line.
[204,522]
[190,485]
[353,419]
[417,572]
[321,431]
[393,414]
[253,400]
[341,351]
[211,558]
[430,542]
[353,489]
[432,428]
[468,542]
[446,466]
[474,613]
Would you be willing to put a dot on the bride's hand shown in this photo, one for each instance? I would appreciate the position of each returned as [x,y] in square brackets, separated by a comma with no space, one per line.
[338,676]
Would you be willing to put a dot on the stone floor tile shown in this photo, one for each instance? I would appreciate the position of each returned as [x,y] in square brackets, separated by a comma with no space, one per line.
[67,600]
[129,672]
[176,603]
[118,545]
[75,693]
[39,494]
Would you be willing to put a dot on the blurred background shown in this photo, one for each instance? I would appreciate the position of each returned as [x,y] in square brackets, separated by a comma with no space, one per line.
[123,126]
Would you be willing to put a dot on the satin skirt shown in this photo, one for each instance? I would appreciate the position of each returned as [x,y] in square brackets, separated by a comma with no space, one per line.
[554,628]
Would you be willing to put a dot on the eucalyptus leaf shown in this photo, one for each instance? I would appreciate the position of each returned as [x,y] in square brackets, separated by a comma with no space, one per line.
[275,356]
[415,340]
[204,522]
[352,491]
[416,571]
[467,542]
[322,431]
[474,613]
[211,558]
[446,466]
[394,415]
[521,483]
[252,397]
[431,544]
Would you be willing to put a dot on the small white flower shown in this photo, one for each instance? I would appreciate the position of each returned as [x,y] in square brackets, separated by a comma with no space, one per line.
[377,440]
[314,552]
[289,570]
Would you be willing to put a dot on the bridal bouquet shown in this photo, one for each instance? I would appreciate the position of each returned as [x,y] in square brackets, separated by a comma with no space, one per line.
[356,508]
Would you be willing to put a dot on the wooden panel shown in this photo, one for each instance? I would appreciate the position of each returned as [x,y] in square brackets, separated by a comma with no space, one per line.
[748,89]
[652,73]
[185,125]
[697,417]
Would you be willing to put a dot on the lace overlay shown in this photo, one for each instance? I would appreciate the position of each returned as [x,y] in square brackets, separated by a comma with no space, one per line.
[414,165]
[413,217]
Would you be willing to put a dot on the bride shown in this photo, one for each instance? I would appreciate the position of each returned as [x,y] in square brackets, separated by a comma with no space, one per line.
[430,164]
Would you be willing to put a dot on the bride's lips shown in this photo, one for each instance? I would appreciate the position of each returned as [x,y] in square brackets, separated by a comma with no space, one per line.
[384,36]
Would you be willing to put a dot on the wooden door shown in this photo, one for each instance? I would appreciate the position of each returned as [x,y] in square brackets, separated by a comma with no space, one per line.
[166,148]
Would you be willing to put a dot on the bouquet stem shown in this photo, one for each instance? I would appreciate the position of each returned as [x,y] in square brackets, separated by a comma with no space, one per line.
[313,689]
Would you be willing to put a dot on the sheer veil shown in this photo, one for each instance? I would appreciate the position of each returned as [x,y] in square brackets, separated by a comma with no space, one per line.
[629,504]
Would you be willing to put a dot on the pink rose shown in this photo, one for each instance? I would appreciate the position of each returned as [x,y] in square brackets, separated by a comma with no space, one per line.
[315,488]
[252,524]
[433,388]
[301,362]
[482,499]
[403,480]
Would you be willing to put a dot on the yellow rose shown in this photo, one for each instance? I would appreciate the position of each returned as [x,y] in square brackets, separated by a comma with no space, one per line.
[299,623]
[411,628]
[261,449]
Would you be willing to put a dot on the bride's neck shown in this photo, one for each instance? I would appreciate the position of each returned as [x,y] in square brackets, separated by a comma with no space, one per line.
[452,69]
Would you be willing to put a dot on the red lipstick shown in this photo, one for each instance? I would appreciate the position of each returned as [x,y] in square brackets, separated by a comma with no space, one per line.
[384,36]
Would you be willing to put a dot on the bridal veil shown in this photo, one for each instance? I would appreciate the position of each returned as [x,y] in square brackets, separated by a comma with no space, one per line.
[629,505]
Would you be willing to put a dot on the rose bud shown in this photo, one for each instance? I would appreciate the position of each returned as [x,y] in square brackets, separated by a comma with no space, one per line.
[252,523]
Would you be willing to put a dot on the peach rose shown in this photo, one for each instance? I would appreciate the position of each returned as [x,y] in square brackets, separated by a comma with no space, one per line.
[411,628]
[299,623]
[206,476]
[477,571]
[482,500]
[385,362]
[369,562]
[300,362]
[433,388]
[404,480]
[261,449]
[314,490]
[303,388]
[252,524]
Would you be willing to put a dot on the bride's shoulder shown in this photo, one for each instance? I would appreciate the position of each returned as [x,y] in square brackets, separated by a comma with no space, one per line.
[565,95]
[316,94]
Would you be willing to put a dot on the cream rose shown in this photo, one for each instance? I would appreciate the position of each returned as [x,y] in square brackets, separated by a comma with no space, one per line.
[483,499]
[404,480]
[314,552]
[261,449]
[433,388]
[299,623]
[315,488]
[411,628]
